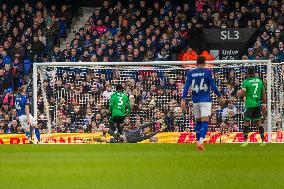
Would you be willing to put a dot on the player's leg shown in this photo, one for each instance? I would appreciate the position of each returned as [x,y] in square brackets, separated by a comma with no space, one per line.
[261,132]
[245,132]
[36,129]
[110,132]
[205,112]
[115,128]
[257,116]
[260,129]
[197,116]
[111,140]
[26,127]
[248,115]
[197,128]
[118,120]
[111,125]
[119,128]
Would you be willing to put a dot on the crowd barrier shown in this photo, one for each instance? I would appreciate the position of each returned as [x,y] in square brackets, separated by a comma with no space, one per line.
[165,137]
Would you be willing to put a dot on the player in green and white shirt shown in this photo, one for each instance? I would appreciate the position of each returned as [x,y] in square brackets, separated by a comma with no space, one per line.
[255,103]
[119,106]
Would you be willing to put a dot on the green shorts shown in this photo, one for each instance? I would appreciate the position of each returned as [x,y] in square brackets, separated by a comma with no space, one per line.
[252,114]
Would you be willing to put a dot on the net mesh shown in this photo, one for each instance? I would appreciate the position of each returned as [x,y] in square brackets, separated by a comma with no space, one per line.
[77,97]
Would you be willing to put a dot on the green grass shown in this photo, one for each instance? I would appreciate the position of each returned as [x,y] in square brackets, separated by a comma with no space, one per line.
[136,166]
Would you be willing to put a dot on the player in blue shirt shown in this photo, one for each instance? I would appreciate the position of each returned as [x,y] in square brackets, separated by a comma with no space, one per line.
[201,82]
[22,105]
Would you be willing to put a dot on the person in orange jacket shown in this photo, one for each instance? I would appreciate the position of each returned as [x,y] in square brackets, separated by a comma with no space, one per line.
[207,56]
[190,54]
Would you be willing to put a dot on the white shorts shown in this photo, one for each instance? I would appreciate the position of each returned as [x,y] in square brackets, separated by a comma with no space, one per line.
[24,123]
[202,109]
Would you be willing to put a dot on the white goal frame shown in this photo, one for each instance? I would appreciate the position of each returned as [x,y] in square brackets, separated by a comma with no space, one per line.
[176,63]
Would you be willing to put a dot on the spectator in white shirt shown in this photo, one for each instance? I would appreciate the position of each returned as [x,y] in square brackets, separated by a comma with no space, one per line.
[108,92]
[231,107]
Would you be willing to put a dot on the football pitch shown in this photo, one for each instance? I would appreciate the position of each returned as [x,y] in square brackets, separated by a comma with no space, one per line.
[137,166]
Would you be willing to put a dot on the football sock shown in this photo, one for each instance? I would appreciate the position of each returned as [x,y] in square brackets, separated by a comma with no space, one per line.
[197,130]
[37,134]
[119,129]
[261,132]
[245,131]
[28,134]
[203,131]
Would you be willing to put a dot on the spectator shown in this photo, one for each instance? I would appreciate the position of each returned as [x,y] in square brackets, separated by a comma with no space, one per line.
[230,109]
[38,47]
[14,127]
[190,54]
[163,55]
[16,73]
[3,81]
[108,92]
[251,55]
[85,57]
[128,32]
[9,98]
[18,49]
[2,125]
[55,56]
[49,32]
[74,56]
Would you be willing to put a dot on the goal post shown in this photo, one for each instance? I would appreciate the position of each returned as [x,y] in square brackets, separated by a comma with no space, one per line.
[267,69]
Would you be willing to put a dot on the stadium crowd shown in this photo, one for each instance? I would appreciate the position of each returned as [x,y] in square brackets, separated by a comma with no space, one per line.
[126,31]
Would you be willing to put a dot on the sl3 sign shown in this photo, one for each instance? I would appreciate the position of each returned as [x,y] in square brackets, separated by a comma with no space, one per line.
[230,35]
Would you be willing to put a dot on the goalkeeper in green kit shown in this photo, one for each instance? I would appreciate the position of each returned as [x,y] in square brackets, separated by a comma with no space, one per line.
[119,106]
[255,103]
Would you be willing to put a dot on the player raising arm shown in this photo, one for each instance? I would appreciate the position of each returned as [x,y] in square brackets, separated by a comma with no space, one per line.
[201,82]
[23,111]
[255,103]
[119,107]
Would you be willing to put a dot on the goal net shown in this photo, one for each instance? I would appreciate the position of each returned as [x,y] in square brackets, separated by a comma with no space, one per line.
[73,97]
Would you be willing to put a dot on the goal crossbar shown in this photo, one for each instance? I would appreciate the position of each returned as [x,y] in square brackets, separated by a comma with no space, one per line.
[153,63]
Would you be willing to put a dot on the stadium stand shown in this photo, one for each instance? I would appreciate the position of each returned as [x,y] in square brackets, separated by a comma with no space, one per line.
[125,31]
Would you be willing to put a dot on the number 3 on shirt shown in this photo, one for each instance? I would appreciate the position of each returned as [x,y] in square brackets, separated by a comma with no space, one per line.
[201,87]
[120,102]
